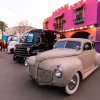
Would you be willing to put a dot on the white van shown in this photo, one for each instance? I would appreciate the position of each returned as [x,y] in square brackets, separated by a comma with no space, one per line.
[12,43]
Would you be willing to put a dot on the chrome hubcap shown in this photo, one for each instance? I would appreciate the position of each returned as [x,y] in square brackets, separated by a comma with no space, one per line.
[72,84]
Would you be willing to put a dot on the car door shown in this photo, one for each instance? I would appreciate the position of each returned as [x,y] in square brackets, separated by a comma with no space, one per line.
[88,57]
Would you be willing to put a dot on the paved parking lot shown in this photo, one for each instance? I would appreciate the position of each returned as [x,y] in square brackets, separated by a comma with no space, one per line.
[15,84]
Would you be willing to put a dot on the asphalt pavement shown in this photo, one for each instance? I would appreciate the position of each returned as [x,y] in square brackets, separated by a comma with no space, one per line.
[15,84]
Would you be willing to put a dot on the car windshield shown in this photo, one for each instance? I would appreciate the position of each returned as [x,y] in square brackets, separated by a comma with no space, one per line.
[15,38]
[30,37]
[10,38]
[68,44]
[72,44]
[60,44]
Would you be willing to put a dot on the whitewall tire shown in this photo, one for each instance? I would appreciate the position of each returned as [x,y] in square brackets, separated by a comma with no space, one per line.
[73,84]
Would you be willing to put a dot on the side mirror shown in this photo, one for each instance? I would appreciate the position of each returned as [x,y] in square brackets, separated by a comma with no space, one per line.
[40,40]
[54,47]
[78,48]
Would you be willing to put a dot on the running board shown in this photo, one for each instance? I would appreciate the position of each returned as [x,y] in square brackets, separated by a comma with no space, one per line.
[89,72]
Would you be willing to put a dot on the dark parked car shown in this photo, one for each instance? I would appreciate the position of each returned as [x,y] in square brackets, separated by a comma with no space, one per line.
[35,41]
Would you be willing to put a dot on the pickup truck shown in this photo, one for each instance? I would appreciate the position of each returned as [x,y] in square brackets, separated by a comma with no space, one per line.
[71,61]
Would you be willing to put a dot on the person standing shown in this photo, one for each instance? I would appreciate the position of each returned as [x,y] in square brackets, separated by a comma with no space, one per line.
[5,44]
[2,45]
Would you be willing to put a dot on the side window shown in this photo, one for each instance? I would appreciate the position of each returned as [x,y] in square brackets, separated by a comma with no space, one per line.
[87,46]
[30,38]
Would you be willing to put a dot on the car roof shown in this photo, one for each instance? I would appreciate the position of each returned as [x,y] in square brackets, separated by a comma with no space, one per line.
[76,39]
[45,30]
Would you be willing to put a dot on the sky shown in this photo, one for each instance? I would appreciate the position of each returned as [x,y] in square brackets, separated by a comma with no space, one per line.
[34,11]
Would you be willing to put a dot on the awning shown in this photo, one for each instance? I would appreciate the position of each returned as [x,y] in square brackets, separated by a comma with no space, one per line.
[78,7]
[58,16]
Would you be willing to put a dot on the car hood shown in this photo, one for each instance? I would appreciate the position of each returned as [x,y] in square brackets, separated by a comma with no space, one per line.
[25,44]
[55,53]
[13,43]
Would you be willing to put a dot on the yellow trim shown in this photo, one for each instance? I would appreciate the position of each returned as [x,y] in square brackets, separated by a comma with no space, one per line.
[75,14]
[83,11]
[57,39]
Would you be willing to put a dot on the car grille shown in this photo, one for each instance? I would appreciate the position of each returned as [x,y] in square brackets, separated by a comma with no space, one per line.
[32,70]
[21,52]
[45,75]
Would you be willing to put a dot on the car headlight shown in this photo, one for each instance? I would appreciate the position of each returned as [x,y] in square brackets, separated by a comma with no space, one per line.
[14,48]
[26,63]
[58,71]
[28,49]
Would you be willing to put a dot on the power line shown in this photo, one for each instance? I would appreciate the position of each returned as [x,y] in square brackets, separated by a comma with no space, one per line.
[20,13]
[12,18]
[9,18]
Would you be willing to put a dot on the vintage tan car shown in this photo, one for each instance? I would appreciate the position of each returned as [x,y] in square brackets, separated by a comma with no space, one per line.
[71,60]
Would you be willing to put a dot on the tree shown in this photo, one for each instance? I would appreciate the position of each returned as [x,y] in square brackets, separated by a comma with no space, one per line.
[23,26]
[3,26]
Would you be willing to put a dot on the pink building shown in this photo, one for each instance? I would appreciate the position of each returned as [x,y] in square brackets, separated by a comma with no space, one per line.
[77,21]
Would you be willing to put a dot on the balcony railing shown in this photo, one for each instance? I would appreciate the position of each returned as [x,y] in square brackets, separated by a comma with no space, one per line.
[79,20]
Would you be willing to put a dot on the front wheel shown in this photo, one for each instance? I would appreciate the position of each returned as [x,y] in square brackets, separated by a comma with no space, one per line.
[73,84]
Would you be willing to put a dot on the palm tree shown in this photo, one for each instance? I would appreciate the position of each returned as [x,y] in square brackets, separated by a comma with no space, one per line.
[3,26]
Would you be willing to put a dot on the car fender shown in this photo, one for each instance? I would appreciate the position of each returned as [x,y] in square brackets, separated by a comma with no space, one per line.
[10,47]
[31,62]
[68,65]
